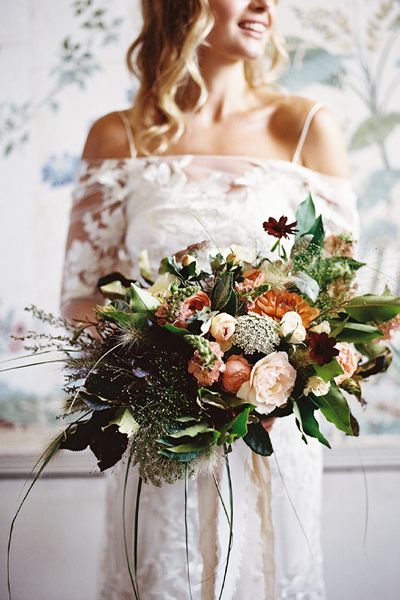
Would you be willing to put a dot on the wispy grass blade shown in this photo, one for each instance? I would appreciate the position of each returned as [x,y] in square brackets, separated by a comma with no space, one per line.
[230,543]
[186,531]
[131,576]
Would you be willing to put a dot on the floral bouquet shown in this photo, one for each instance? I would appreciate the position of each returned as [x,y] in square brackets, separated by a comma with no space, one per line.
[177,369]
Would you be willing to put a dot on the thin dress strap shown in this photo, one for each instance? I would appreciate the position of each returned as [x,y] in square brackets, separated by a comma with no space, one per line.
[306,127]
[129,133]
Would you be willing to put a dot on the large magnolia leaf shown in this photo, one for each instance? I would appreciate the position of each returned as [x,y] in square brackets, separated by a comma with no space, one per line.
[356,333]
[142,300]
[329,370]
[306,421]
[125,421]
[222,290]
[374,130]
[335,409]
[371,308]
[258,440]
[305,216]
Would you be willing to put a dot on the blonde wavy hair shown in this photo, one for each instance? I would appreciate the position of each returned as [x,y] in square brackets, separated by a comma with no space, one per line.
[164,57]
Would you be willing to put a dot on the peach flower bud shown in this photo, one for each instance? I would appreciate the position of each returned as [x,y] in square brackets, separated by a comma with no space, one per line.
[237,371]
[223,328]
[348,360]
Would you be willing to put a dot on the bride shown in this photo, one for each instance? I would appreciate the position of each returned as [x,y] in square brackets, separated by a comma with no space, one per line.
[210,149]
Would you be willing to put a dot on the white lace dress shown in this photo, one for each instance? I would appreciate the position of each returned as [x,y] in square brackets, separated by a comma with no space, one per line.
[163,204]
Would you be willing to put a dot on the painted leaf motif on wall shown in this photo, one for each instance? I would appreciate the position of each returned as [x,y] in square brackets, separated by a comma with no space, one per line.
[374,130]
[312,65]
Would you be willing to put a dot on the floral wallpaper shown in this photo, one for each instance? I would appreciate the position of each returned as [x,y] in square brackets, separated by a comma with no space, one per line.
[63,64]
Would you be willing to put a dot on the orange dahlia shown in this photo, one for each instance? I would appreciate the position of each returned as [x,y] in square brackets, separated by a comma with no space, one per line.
[276,303]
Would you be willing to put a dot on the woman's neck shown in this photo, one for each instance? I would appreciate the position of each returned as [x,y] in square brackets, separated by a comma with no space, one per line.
[228,90]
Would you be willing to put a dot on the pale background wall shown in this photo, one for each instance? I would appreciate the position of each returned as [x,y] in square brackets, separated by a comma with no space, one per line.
[61,67]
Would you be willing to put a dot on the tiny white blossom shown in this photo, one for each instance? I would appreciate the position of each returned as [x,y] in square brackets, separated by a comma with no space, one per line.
[317,386]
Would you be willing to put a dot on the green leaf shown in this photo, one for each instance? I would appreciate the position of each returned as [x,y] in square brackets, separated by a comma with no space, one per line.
[258,440]
[192,431]
[222,291]
[317,231]
[175,330]
[305,216]
[141,300]
[113,290]
[206,396]
[169,264]
[182,456]
[125,421]
[238,425]
[121,318]
[190,447]
[329,370]
[374,130]
[353,387]
[356,333]
[373,308]
[187,419]
[335,409]
[377,364]
[231,306]
[308,424]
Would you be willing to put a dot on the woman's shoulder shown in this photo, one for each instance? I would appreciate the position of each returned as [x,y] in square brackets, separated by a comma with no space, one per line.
[324,146]
[107,138]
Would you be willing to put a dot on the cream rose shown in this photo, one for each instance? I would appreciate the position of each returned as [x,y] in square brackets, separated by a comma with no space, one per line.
[291,323]
[317,386]
[222,329]
[271,382]
[347,359]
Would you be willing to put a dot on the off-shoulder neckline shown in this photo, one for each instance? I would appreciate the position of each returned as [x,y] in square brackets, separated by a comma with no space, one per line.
[253,159]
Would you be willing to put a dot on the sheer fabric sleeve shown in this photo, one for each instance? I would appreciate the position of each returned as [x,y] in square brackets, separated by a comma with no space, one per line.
[336,199]
[95,244]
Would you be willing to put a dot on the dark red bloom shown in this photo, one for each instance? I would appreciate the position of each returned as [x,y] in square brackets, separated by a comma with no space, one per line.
[322,348]
[279,228]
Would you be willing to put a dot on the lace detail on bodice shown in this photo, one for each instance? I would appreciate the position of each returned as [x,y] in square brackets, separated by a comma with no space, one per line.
[163,204]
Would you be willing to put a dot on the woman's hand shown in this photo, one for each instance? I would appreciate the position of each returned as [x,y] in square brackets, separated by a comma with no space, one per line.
[268,423]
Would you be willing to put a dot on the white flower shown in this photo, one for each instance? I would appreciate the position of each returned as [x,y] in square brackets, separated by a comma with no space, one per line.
[291,323]
[322,327]
[271,382]
[162,284]
[317,386]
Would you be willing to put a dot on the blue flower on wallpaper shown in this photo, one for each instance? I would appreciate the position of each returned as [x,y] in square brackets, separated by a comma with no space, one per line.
[60,169]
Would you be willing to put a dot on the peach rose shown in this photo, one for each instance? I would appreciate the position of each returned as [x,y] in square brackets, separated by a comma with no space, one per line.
[271,382]
[197,301]
[238,370]
[251,279]
[347,359]
[206,375]
[222,328]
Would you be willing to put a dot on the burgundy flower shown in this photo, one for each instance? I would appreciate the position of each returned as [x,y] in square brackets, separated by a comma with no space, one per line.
[280,228]
[322,348]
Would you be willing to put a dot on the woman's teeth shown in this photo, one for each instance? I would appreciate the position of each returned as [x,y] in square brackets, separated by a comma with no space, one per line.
[252,26]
